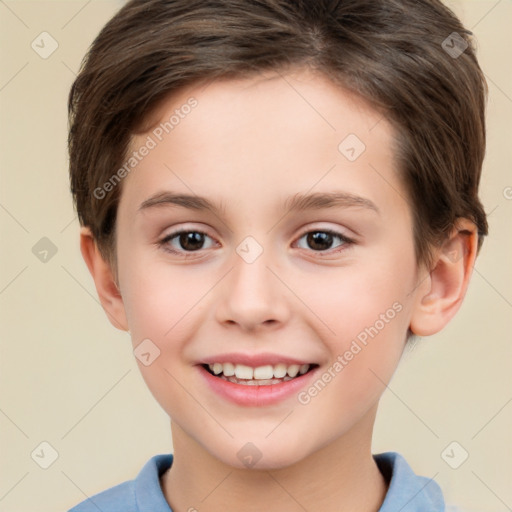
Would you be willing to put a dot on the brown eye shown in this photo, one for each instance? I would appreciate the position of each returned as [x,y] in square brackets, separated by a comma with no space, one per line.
[185,241]
[322,240]
[191,241]
[319,241]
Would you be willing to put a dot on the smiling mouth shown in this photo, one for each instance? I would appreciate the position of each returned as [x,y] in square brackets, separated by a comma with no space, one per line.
[260,376]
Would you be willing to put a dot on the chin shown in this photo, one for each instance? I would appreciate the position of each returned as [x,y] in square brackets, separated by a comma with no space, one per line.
[259,454]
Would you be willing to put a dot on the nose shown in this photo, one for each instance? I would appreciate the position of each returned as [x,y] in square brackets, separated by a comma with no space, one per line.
[252,297]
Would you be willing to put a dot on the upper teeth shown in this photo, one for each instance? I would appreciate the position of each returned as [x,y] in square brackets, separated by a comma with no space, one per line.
[241,371]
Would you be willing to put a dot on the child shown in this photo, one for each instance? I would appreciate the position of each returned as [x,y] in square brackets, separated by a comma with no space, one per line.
[322,159]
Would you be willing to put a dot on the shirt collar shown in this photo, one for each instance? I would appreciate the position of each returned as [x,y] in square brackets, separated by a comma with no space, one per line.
[407,491]
[148,493]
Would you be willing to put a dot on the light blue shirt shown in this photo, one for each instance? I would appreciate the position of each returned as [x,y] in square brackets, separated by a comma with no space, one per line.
[407,492]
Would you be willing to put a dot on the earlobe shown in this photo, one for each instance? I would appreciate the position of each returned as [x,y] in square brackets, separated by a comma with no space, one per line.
[440,295]
[104,280]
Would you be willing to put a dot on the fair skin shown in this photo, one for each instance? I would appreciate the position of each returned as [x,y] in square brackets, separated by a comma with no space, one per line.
[248,146]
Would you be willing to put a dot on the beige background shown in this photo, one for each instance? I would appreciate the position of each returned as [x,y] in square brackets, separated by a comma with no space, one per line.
[70,379]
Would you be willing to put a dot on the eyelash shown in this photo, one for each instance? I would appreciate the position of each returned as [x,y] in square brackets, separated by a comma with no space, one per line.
[164,243]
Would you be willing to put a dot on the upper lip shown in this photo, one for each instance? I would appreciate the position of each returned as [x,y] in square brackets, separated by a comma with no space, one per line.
[253,360]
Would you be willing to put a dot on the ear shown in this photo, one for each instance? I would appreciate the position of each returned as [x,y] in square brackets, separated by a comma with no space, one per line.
[440,294]
[101,271]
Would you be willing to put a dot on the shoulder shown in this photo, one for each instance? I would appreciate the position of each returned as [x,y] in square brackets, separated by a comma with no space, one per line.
[120,497]
[142,493]
[407,491]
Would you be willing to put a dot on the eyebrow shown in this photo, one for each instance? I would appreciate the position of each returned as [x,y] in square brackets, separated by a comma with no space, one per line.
[321,200]
[186,201]
[298,202]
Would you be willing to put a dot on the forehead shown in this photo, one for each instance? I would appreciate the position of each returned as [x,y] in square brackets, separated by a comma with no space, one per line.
[257,137]
[269,101]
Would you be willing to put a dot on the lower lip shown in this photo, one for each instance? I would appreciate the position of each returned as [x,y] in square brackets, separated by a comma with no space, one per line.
[256,396]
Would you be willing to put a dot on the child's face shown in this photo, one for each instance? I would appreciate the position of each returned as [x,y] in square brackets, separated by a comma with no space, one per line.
[248,147]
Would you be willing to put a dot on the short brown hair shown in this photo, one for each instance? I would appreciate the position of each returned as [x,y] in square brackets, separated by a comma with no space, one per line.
[396,54]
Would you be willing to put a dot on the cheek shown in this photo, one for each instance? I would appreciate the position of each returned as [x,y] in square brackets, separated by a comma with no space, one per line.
[365,309]
[348,300]
[365,351]
[162,304]
[156,296]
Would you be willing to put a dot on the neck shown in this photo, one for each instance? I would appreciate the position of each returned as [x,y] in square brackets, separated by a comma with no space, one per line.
[341,476]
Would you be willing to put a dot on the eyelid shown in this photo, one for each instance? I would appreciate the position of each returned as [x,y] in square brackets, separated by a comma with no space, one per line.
[333,231]
[178,231]
[180,227]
